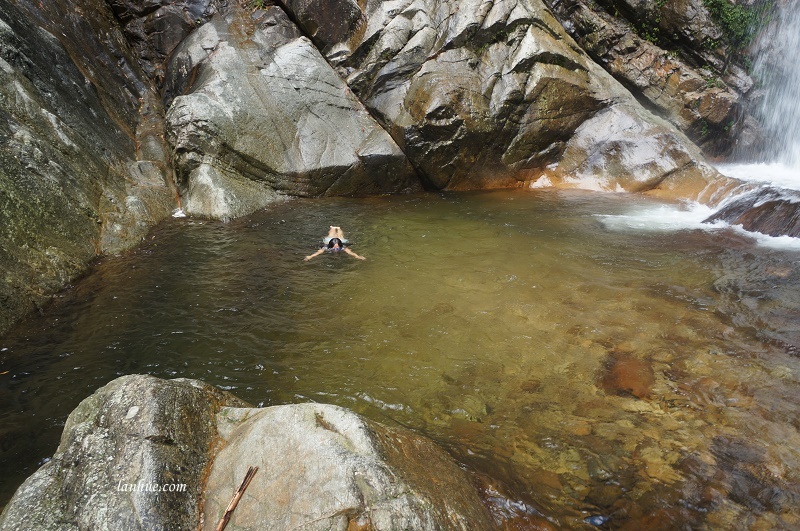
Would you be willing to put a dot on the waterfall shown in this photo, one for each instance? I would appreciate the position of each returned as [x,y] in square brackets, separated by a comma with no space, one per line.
[777,67]
[769,200]
[766,202]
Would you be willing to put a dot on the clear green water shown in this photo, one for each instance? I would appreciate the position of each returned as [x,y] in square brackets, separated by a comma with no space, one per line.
[646,377]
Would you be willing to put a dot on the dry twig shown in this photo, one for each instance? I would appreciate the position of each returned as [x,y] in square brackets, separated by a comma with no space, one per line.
[236,497]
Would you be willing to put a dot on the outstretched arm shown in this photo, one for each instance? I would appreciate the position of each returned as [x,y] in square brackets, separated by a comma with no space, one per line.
[309,257]
[351,253]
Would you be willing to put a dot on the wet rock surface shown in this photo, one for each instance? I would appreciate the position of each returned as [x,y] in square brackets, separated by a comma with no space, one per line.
[83,163]
[257,110]
[775,212]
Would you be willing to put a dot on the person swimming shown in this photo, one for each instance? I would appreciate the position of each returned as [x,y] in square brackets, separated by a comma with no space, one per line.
[334,242]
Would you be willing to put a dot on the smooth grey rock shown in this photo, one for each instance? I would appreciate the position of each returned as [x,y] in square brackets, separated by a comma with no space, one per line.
[618,151]
[323,467]
[83,162]
[137,430]
[320,467]
[489,94]
[257,110]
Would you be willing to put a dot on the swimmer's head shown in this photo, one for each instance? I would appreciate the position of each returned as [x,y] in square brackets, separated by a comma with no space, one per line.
[335,244]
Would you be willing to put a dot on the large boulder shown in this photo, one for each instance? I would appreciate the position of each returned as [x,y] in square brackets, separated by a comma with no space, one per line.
[143,453]
[618,151]
[487,94]
[134,434]
[257,110]
[323,467]
[83,162]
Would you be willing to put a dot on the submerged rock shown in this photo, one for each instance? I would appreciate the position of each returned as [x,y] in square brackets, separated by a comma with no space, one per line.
[743,470]
[627,375]
[257,110]
[320,467]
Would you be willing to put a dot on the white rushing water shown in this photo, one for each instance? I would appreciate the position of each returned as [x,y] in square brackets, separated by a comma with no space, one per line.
[776,174]
[670,218]
[776,66]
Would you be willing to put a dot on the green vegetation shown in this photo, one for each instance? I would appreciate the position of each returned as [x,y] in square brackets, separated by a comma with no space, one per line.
[650,29]
[704,128]
[714,81]
[739,22]
[649,33]
[728,126]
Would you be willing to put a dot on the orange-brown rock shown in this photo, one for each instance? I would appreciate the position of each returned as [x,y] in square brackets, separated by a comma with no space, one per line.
[627,375]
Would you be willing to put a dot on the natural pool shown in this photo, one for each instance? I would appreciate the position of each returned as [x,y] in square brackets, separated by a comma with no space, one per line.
[587,369]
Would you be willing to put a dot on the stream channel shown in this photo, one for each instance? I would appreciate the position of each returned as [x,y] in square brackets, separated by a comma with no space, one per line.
[592,358]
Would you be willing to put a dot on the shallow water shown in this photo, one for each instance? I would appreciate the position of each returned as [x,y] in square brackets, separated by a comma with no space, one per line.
[587,370]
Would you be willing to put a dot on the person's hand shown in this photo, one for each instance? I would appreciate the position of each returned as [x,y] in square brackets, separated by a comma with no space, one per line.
[307,258]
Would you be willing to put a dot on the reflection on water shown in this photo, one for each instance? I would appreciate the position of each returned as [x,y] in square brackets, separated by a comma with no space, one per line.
[593,375]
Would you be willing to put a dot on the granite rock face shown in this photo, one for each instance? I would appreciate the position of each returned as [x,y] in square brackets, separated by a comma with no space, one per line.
[616,151]
[490,94]
[134,433]
[258,112]
[155,28]
[706,105]
[320,467]
[83,162]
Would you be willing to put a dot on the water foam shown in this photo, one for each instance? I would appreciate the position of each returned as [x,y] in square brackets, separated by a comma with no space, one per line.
[673,218]
[661,218]
[776,174]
